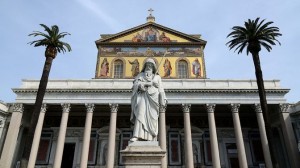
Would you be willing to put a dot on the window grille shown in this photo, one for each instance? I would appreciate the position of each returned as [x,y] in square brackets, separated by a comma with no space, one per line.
[182,69]
[118,69]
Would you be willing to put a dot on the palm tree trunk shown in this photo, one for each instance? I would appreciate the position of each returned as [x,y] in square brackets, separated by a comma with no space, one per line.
[263,103]
[37,106]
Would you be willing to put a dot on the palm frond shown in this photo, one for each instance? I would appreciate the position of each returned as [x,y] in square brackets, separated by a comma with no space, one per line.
[254,33]
[52,38]
[266,46]
[47,29]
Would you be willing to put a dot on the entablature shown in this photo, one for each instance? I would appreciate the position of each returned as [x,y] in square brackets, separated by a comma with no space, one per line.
[105,91]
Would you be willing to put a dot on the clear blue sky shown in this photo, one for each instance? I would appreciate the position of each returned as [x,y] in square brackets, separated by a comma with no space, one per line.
[87,19]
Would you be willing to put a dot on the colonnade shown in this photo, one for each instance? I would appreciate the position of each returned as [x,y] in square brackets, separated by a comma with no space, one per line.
[10,143]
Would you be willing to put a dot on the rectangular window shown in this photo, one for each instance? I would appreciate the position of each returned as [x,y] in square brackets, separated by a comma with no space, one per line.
[92,149]
[174,149]
[256,147]
[197,152]
[124,143]
[207,149]
[296,128]
[44,148]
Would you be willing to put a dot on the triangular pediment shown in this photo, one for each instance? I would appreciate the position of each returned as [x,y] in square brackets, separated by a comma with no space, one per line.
[150,32]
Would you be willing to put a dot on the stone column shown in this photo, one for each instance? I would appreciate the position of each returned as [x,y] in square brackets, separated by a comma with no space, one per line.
[263,135]
[87,135]
[3,117]
[289,137]
[187,136]
[162,134]
[239,136]
[12,135]
[61,136]
[2,128]
[37,137]
[213,136]
[112,136]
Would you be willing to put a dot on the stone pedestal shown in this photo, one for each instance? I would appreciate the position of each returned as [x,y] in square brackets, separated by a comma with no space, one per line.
[143,154]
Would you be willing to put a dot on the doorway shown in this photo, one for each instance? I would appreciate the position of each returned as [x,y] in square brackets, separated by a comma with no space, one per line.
[68,155]
[233,161]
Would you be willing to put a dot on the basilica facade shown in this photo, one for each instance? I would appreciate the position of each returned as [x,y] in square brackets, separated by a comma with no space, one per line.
[206,123]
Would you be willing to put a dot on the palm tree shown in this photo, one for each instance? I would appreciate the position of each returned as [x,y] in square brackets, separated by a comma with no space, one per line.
[51,40]
[253,36]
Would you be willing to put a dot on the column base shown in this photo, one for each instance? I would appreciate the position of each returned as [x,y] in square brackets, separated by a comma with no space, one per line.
[143,154]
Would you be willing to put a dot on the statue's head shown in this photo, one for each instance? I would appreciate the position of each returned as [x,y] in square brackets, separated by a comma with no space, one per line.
[150,62]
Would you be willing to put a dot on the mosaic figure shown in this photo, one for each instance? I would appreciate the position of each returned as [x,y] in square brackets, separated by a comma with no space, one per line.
[196,69]
[150,34]
[167,68]
[104,68]
[135,67]
[137,38]
[164,38]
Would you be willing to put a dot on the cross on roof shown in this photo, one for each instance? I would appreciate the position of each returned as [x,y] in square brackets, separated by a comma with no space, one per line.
[150,11]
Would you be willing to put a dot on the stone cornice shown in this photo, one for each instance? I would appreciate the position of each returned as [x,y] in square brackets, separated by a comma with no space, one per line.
[103,91]
[166,90]
[156,44]
[167,84]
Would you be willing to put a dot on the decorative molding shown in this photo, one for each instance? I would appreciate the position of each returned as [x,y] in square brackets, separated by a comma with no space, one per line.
[166,90]
[66,107]
[284,107]
[210,108]
[90,107]
[234,108]
[74,133]
[103,133]
[194,130]
[113,107]
[18,107]
[257,108]
[226,133]
[43,108]
[70,132]
[186,108]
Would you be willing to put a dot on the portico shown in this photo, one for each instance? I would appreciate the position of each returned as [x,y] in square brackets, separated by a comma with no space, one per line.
[224,134]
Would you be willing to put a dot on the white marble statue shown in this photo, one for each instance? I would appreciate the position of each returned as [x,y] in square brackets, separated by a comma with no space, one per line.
[148,94]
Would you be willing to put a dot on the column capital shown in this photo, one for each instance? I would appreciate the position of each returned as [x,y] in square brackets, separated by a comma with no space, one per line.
[210,108]
[284,107]
[113,107]
[234,108]
[43,108]
[257,108]
[89,107]
[186,108]
[18,107]
[162,108]
[66,107]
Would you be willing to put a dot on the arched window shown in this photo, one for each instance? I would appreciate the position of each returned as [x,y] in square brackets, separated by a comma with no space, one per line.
[118,69]
[182,69]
